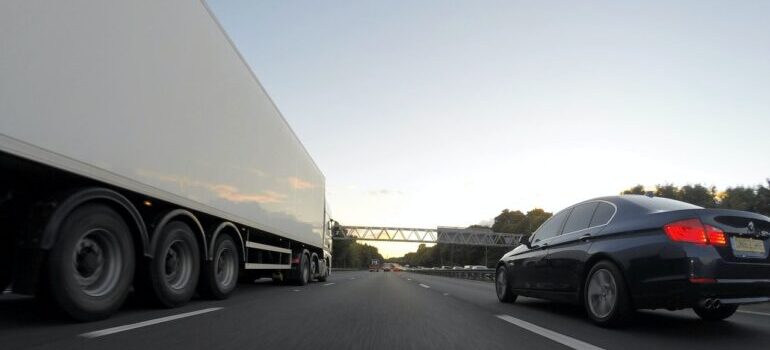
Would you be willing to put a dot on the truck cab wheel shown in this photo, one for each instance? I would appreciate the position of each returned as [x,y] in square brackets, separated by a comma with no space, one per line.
[304,271]
[91,267]
[174,269]
[325,275]
[219,276]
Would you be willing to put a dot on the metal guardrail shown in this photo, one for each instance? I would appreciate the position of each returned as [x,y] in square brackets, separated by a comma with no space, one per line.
[487,275]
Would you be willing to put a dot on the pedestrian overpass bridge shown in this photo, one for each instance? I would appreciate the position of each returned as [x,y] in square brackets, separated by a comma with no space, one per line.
[449,235]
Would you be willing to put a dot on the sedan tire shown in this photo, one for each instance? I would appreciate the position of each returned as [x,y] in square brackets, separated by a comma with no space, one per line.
[503,286]
[606,297]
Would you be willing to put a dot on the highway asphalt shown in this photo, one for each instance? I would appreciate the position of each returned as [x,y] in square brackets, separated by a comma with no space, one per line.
[371,310]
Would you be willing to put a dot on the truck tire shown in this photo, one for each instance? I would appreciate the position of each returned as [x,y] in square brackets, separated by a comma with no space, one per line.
[174,269]
[219,277]
[5,279]
[6,254]
[325,275]
[327,269]
[5,265]
[91,266]
[304,271]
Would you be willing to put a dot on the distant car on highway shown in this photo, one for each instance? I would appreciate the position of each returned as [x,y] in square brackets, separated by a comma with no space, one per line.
[617,254]
[446,267]
[478,267]
[457,268]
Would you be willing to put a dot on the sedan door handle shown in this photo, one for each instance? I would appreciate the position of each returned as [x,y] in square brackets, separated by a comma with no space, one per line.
[585,237]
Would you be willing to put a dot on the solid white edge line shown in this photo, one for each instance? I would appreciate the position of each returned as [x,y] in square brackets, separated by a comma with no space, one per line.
[557,337]
[424,285]
[754,312]
[128,327]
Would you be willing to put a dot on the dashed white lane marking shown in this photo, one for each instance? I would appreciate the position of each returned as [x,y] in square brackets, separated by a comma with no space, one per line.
[424,285]
[352,278]
[557,337]
[446,294]
[296,290]
[408,279]
[329,284]
[754,312]
[128,327]
[7,291]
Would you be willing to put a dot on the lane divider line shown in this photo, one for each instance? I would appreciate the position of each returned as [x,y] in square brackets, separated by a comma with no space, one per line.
[408,279]
[424,285]
[446,294]
[296,290]
[128,327]
[329,284]
[557,337]
[754,312]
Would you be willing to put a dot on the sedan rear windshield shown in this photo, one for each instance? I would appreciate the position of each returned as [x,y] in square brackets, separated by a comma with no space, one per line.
[658,204]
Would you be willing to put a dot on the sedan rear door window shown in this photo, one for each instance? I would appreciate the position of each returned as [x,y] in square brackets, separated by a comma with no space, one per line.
[580,217]
[603,214]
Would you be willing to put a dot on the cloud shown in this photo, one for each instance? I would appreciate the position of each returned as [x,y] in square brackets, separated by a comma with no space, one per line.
[224,191]
[299,184]
[384,192]
[232,194]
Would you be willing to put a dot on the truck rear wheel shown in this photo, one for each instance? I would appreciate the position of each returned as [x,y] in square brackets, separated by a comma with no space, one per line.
[5,279]
[219,276]
[174,270]
[5,267]
[6,256]
[91,266]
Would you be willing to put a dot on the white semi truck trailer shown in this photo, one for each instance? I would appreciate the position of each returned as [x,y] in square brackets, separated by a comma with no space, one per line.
[137,149]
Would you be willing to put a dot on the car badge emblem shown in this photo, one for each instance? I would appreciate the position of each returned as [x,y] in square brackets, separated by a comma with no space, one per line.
[750,226]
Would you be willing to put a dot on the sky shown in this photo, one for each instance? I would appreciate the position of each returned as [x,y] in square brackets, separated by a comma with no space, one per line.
[443,113]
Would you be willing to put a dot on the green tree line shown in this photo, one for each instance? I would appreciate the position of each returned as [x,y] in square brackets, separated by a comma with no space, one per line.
[752,198]
[354,255]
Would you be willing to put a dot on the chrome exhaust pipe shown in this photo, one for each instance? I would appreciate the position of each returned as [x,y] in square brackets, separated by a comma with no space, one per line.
[710,303]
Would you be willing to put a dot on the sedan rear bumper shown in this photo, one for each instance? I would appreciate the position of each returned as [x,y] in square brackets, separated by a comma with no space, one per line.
[682,294]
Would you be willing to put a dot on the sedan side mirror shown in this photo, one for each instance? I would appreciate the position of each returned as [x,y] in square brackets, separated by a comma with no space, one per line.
[527,241]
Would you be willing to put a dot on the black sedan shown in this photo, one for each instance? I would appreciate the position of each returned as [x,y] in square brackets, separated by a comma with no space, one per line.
[621,253]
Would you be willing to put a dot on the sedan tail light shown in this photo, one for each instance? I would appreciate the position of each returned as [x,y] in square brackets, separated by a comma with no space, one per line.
[694,231]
